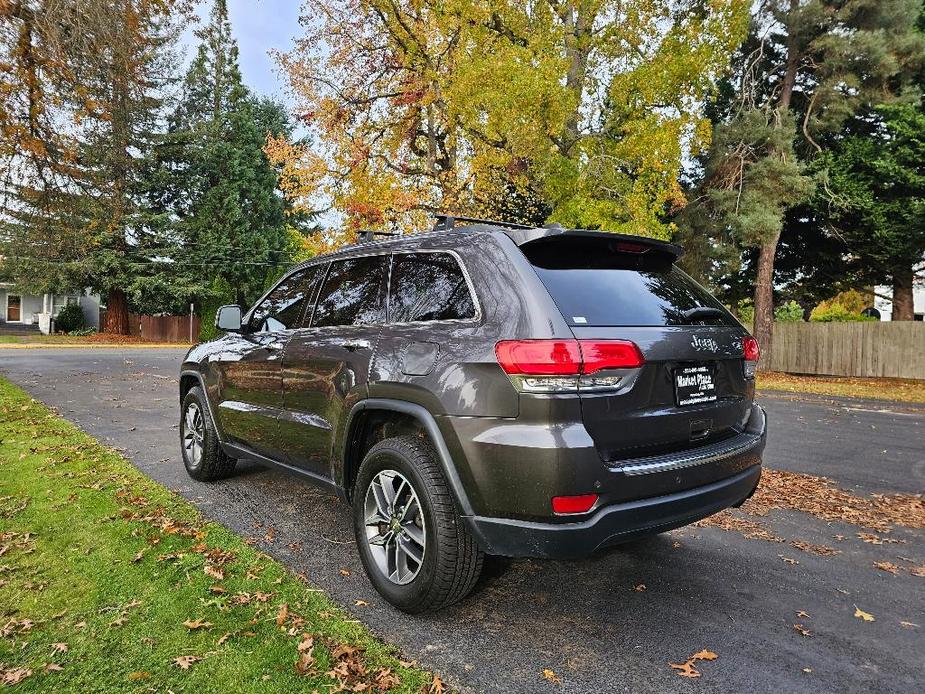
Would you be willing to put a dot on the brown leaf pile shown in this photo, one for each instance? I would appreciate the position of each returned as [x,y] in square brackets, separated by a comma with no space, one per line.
[820,497]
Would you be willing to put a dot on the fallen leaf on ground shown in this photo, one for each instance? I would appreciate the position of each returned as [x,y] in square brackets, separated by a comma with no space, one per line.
[887,566]
[344,572]
[803,614]
[866,616]
[214,572]
[306,660]
[909,625]
[193,624]
[788,559]
[436,685]
[185,661]
[385,680]
[687,669]
[52,667]
[639,588]
[803,631]
[918,571]
[704,655]
[551,676]
[59,647]
[360,603]
[282,615]
[15,675]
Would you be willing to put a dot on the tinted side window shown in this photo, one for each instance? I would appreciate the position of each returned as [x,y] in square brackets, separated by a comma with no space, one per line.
[352,292]
[428,286]
[282,307]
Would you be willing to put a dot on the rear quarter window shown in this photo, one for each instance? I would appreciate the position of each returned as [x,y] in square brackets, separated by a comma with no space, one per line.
[595,284]
[428,287]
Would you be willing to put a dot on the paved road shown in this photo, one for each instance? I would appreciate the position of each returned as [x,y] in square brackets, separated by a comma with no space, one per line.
[706,588]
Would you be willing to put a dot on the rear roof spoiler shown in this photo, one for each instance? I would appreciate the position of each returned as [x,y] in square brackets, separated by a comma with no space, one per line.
[523,237]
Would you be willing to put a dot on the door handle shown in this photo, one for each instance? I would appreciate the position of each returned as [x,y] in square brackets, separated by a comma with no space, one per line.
[354,345]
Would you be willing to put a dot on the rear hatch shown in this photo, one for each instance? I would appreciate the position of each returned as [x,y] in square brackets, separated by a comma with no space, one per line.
[691,391]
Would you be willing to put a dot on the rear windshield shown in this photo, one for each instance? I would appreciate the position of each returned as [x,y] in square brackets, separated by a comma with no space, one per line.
[594,283]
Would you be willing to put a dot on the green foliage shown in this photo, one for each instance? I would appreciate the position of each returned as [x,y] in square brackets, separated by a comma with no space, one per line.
[798,94]
[214,191]
[837,313]
[788,312]
[220,294]
[875,187]
[843,307]
[70,318]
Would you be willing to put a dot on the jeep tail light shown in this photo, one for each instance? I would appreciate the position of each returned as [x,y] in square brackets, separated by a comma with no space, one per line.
[551,366]
[582,503]
[752,353]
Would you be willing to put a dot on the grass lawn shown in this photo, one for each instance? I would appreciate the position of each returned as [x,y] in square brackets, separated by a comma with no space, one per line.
[896,389]
[111,583]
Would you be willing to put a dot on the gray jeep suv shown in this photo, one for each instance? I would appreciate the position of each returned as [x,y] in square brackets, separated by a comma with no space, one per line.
[485,389]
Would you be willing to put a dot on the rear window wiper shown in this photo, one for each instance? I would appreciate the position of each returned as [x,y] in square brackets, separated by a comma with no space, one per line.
[701,313]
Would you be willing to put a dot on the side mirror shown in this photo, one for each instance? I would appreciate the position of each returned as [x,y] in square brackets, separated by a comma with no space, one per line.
[228,318]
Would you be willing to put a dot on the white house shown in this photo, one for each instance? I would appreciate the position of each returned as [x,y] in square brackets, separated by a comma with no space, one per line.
[23,309]
[883,304]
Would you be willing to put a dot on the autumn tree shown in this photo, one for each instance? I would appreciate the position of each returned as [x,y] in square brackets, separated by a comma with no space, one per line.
[83,88]
[423,106]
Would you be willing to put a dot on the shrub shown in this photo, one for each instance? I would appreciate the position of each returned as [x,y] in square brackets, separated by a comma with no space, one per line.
[837,313]
[786,313]
[70,318]
[83,332]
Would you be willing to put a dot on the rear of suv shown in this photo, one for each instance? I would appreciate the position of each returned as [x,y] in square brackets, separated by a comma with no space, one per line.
[485,389]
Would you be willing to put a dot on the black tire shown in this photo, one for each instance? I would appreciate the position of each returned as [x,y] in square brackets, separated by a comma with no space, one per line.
[212,463]
[452,561]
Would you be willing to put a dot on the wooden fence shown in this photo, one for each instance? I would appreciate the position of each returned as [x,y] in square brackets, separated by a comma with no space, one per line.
[160,328]
[889,349]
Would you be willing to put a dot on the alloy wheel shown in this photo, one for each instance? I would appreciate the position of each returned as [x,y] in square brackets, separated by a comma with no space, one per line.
[395,531]
[193,433]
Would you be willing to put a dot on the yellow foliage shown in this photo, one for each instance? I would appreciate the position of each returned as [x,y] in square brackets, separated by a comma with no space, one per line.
[417,106]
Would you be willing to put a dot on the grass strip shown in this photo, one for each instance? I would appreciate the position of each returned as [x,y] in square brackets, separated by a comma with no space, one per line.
[893,389]
[111,583]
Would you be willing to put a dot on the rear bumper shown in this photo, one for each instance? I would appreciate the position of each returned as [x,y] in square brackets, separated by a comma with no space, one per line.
[614,524]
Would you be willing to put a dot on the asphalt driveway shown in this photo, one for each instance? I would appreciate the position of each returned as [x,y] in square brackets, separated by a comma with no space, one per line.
[704,587]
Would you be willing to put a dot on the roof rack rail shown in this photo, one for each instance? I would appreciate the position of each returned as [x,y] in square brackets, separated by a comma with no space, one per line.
[369,235]
[446,222]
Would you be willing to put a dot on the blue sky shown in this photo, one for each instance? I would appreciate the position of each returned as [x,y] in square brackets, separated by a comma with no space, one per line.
[258,25]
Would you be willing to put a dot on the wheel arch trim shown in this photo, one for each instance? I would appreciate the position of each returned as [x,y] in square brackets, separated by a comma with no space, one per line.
[427,420]
[205,391]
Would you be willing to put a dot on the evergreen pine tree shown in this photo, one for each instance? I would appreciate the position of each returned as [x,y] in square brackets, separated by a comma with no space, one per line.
[213,182]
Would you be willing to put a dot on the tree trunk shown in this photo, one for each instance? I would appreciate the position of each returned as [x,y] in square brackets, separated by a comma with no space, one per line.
[903,308]
[116,313]
[764,296]
[764,282]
